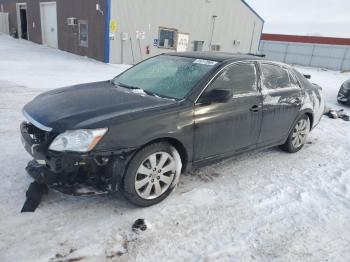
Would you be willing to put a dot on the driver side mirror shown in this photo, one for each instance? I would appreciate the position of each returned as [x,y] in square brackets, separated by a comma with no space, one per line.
[217,96]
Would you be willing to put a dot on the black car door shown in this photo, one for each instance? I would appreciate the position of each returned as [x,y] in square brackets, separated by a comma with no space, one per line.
[224,128]
[282,98]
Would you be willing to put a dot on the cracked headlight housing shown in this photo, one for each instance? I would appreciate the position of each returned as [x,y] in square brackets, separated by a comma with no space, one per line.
[82,140]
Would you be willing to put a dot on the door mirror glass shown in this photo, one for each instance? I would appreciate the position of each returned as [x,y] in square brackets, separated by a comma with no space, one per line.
[217,96]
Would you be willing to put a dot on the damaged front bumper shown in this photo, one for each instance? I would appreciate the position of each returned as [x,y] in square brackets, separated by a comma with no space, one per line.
[43,175]
[69,172]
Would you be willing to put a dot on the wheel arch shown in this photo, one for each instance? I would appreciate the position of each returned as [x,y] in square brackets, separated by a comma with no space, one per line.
[177,144]
[308,113]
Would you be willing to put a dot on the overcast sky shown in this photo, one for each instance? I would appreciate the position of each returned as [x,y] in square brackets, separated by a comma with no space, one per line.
[305,17]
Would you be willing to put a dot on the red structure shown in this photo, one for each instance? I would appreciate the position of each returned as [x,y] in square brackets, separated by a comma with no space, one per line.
[306,39]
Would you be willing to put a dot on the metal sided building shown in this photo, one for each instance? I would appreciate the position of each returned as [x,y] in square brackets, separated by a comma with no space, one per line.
[315,51]
[143,28]
[128,31]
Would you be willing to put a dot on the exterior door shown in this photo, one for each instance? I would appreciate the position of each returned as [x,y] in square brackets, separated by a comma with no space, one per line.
[281,102]
[225,128]
[22,26]
[49,23]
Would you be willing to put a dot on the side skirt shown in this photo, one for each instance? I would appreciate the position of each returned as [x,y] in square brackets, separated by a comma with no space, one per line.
[219,158]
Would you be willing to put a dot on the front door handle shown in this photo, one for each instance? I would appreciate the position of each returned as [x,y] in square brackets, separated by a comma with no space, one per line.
[255,108]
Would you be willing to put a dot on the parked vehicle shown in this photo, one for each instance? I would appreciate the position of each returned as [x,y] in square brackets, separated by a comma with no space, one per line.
[168,114]
[344,93]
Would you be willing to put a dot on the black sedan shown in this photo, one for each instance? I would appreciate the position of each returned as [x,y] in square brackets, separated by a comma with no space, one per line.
[344,93]
[138,132]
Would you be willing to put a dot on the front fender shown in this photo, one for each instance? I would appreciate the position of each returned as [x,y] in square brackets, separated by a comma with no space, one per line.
[137,132]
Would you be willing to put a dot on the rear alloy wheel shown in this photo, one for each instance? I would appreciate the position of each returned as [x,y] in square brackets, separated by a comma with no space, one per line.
[297,138]
[152,174]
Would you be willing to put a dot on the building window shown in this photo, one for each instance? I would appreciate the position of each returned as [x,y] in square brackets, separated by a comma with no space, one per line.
[167,38]
[83,33]
[215,47]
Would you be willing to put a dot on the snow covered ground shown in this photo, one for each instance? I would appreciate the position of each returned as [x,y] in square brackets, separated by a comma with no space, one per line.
[261,206]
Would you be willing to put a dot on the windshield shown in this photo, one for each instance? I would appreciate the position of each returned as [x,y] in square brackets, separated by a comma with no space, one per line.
[165,76]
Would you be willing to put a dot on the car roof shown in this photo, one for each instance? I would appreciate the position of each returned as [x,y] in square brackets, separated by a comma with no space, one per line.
[217,56]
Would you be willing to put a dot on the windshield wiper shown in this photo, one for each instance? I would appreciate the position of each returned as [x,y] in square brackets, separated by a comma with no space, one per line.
[150,93]
[137,88]
[122,85]
[127,86]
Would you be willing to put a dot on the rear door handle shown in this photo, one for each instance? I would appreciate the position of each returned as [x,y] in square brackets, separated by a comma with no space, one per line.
[255,108]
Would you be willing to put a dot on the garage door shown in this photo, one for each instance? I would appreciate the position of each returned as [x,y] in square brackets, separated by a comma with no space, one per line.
[49,23]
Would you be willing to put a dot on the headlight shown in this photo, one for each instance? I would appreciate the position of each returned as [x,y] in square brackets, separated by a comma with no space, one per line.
[82,140]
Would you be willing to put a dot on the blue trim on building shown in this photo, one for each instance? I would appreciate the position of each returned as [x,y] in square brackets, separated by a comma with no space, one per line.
[251,9]
[107,13]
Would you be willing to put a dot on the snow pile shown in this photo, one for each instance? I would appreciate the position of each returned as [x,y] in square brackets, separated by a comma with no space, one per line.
[260,206]
[31,65]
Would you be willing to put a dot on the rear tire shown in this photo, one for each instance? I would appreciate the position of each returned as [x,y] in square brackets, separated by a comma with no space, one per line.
[152,174]
[297,137]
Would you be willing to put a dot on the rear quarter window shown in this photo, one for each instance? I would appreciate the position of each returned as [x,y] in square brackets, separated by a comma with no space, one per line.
[274,76]
[303,81]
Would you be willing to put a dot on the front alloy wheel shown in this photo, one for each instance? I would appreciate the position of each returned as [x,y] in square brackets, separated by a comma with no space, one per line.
[155,175]
[152,174]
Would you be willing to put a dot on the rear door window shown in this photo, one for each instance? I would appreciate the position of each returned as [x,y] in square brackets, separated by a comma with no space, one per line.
[274,76]
[241,78]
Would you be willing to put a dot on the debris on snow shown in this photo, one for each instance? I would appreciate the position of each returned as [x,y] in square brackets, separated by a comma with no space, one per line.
[337,114]
[139,224]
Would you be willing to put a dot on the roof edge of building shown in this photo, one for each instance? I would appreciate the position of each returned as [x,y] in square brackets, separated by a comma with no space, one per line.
[252,9]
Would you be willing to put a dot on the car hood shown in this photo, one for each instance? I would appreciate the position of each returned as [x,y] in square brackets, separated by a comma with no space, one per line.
[87,105]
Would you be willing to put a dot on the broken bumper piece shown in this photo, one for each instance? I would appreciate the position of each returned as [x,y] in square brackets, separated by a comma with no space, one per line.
[42,175]
[33,196]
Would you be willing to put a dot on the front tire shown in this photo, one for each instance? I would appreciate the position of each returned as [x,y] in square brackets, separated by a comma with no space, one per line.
[152,174]
[297,137]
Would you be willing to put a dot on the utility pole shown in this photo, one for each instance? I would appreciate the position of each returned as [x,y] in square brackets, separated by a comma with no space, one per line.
[212,31]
